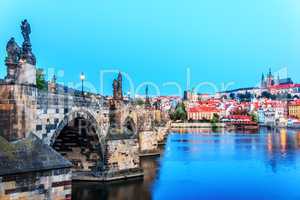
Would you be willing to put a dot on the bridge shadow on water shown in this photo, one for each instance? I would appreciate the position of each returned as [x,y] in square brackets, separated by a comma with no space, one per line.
[118,190]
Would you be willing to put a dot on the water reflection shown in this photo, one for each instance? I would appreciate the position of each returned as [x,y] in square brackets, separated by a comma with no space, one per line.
[132,189]
[203,165]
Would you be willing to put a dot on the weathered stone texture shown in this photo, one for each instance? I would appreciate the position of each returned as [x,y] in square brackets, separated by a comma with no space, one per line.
[122,155]
[160,118]
[54,110]
[81,149]
[148,142]
[27,74]
[51,184]
[17,111]
[145,120]
[161,133]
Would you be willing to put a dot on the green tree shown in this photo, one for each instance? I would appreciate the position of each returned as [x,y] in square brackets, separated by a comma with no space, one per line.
[254,117]
[41,83]
[232,95]
[245,97]
[266,94]
[215,119]
[179,113]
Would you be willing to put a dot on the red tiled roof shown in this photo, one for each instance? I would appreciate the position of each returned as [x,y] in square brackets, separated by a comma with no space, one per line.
[284,86]
[203,109]
[295,103]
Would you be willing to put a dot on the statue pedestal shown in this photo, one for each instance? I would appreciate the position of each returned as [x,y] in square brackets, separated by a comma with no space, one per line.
[27,74]
[24,74]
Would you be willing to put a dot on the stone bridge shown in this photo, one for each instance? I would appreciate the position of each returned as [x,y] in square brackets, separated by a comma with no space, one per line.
[94,138]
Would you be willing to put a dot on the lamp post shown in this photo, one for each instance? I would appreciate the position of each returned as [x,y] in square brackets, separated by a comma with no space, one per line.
[82,78]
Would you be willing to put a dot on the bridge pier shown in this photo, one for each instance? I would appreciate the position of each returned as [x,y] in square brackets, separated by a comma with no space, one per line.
[147,134]
[17,110]
[162,133]
[121,149]
[148,143]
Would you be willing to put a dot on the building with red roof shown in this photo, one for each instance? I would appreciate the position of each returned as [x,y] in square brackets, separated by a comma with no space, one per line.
[202,112]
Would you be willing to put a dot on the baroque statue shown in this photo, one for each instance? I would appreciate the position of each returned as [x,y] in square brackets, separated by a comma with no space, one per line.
[21,62]
[13,52]
[27,54]
[26,30]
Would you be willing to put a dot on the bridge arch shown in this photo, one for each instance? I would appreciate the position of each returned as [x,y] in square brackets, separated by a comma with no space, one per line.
[80,139]
[130,126]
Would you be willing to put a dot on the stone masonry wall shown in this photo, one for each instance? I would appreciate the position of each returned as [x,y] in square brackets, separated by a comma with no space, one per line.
[161,133]
[53,184]
[17,111]
[148,142]
[53,108]
[122,155]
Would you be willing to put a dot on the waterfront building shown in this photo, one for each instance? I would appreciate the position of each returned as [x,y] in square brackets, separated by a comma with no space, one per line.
[269,117]
[294,109]
[202,112]
[261,116]
[271,112]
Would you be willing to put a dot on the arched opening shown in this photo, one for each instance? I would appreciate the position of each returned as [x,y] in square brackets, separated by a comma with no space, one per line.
[129,126]
[78,142]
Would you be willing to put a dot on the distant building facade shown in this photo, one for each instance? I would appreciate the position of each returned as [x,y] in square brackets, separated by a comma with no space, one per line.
[202,113]
[294,109]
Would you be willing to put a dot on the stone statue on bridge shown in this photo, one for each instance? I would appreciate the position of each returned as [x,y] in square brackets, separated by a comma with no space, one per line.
[21,62]
[26,30]
[27,54]
[13,51]
[12,59]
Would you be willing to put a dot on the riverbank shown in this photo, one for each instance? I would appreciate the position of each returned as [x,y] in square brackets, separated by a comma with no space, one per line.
[194,126]
[197,125]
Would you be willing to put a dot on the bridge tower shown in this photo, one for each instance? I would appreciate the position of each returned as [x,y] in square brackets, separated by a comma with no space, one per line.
[122,146]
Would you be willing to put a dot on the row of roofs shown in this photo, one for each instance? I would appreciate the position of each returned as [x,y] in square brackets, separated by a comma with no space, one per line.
[217,105]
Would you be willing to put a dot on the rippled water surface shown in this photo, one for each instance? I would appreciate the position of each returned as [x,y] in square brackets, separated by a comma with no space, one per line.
[265,165]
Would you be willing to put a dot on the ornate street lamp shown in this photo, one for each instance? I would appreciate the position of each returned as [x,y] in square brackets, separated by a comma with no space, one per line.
[82,78]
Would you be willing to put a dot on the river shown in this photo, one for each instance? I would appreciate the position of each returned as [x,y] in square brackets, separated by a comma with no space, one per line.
[264,165]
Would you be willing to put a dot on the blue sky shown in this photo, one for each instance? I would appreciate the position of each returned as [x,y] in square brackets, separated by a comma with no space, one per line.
[156,41]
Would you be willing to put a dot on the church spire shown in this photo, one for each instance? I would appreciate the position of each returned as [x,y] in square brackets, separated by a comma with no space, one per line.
[262,82]
[147,102]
